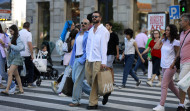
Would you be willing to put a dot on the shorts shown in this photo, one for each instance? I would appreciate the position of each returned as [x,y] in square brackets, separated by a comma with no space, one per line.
[184,69]
[110,59]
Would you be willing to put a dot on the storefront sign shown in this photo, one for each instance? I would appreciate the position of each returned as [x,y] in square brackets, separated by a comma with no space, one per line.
[5,10]
[157,21]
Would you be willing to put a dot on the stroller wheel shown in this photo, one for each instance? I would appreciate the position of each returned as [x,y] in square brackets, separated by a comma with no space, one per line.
[38,83]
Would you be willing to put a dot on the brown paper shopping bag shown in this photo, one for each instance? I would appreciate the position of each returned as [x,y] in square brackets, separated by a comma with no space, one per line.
[105,82]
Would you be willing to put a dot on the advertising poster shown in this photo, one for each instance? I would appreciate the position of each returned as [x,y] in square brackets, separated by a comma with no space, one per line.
[157,21]
[5,9]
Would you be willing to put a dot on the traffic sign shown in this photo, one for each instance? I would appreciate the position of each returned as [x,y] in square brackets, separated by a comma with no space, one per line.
[174,12]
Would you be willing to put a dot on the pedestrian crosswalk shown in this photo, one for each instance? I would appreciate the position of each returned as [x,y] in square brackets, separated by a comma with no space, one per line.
[131,98]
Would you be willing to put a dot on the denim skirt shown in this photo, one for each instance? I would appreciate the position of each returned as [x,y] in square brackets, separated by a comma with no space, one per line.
[15,59]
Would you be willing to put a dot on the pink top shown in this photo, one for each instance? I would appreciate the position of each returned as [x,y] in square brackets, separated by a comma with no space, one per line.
[141,40]
[6,40]
[185,54]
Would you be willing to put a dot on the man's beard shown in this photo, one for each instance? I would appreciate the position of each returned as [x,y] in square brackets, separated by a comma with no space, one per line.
[96,21]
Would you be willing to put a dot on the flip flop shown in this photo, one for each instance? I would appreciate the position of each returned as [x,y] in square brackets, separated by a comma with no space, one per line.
[5,93]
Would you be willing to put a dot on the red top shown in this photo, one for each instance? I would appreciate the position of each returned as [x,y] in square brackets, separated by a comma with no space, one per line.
[154,52]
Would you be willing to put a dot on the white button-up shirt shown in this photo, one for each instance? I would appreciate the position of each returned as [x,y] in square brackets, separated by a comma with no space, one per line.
[96,48]
[129,46]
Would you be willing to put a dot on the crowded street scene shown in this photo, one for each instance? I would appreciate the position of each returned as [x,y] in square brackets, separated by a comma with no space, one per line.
[100,55]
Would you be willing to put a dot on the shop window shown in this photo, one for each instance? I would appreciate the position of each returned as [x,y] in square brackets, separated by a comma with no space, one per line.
[105,7]
[73,12]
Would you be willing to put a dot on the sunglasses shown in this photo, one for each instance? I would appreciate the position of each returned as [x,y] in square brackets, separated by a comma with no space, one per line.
[95,16]
[84,23]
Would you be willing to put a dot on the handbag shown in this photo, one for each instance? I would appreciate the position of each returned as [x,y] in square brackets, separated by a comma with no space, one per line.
[105,82]
[23,71]
[185,82]
[177,63]
[41,64]
[68,85]
[59,47]
[65,47]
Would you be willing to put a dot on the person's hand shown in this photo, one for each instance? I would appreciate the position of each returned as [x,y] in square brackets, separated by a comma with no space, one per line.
[143,61]
[103,66]
[117,57]
[32,57]
[123,56]
[1,42]
[149,58]
[172,65]
[163,35]
[9,44]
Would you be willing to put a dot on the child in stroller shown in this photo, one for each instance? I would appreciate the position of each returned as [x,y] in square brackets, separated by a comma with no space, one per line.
[47,48]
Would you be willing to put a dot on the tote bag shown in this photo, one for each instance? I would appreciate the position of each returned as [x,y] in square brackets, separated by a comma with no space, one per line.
[41,64]
[105,82]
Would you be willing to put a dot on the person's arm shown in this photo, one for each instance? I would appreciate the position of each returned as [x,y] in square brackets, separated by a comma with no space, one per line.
[176,48]
[137,50]
[145,51]
[117,49]
[117,46]
[31,49]
[159,43]
[72,42]
[20,45]
[103,50]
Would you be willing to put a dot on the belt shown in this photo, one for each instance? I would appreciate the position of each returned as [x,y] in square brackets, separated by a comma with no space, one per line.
[78,56]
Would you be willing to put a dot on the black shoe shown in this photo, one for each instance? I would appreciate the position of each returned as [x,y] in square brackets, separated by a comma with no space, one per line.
[105,98]
[122,86]
[138,83]
[180,108]
[92,107]
[145,73]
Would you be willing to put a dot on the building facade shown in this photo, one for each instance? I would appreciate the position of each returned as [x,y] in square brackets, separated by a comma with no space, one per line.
[47,17]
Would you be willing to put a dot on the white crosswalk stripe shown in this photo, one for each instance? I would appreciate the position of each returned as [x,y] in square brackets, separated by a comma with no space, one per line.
[131,98]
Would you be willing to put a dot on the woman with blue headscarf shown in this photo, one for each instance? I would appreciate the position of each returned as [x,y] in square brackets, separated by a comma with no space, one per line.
[69,25]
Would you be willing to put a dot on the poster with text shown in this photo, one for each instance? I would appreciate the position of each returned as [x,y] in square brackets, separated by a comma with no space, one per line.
[157,21]
[5,9]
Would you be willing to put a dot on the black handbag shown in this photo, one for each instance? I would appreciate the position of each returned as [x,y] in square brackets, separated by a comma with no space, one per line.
[68,86]
[177,63]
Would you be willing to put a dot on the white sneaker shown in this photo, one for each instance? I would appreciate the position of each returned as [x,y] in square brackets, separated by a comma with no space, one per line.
[12,90]
[149,83]
[62,95]
[159,108]
[158,84]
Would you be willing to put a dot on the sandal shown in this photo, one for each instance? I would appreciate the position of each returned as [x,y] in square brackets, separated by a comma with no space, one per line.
[19,92]
[5,93]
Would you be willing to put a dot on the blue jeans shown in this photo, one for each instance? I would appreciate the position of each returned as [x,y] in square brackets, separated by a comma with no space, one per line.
[2,70]
[78,74]
[129,60]
[139,62]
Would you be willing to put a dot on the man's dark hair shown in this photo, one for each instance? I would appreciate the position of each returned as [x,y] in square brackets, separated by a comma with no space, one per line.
[128,32]
[26,25]
[109,23]
[89,17]
[98,13]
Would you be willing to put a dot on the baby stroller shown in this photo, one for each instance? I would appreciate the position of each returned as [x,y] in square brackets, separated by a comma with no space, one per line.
[51,72]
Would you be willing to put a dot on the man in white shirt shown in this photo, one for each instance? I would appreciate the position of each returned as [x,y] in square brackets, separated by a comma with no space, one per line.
[96,54]
[26,38]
